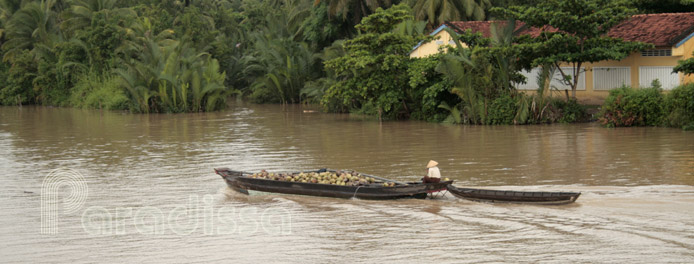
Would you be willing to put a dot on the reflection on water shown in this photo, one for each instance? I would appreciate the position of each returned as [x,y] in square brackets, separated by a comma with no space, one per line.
[154,198]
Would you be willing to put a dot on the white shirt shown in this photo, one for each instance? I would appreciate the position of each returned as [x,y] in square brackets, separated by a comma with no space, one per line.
[433,172]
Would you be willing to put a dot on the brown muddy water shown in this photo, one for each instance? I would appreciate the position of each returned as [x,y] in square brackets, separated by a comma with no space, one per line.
[88,186]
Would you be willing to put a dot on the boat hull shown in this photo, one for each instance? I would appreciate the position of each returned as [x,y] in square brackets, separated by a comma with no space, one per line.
[242,184]
[497,196]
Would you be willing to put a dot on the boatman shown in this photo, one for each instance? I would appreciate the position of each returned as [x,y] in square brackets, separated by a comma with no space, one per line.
[433,173]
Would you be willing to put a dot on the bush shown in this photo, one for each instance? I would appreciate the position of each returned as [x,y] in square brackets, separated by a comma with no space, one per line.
[502,110]
[627,106]
[17,87]
[428,89]
[680,106]
[52,86]
[570,111]
[97,92]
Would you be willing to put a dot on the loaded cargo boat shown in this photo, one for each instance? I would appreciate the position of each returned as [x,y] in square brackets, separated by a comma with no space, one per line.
[499,196]
[328,183]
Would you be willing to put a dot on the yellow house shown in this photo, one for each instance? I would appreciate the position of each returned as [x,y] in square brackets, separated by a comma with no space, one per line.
[671,34]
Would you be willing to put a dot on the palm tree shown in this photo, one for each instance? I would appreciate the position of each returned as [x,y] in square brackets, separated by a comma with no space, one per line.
[436,12]
[278,64]
[33,27]
[479,77]
[166,75]
[355,10]
[7,9]
[282,66]
[81,13]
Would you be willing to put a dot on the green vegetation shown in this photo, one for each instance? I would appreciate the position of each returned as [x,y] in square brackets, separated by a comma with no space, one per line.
[107,54]
[627,106]
[436,12]
[372,74]
[679,107]
[351,56]
[581,37]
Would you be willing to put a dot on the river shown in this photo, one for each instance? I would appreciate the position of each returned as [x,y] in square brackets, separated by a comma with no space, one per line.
[84,186]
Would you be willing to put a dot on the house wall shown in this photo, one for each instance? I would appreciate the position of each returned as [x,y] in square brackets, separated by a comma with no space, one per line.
[685,51]
[432,47]
[593,96]
[589,95]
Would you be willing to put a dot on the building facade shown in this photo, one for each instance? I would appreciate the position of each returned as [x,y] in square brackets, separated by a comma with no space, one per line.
[672,35]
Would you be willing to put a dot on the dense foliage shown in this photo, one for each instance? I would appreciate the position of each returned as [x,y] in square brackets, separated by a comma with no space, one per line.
[577,33]
[679,107]
[372,74]
[149,57]
[352,56]
[627,106]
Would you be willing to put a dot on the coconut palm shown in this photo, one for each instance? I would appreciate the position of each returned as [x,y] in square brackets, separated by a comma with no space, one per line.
[479,77]
[7,9]
[174,79]
[32,27]
[355,10]
[436,12]
[81,13]
[166,75]
[281,66]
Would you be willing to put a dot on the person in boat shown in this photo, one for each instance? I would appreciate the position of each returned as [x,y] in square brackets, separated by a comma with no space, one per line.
[433,173]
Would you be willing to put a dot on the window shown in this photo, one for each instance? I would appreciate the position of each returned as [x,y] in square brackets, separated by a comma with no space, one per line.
[664,74]
[608,78]
[531,79]
[439,42]
[656,53]
[560,85]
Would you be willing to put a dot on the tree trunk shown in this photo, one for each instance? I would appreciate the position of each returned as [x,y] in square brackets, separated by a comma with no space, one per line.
[573,92]
[545,86]
[566,92]
[380,113]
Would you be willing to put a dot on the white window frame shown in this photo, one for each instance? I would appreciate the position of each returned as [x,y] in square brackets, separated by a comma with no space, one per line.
[530,80]
[657,53]
[559,85]
[596,87]
[667,84]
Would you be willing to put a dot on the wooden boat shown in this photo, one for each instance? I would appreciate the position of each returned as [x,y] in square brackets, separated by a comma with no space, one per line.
[243,182]
[484,195]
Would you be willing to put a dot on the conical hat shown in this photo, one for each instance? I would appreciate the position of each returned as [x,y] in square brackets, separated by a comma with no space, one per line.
[432,164]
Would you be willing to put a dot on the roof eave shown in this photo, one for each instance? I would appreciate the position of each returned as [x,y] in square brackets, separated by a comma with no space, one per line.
[685,39]
[433,33]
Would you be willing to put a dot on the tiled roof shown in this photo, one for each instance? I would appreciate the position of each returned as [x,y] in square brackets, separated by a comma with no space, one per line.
[659,29]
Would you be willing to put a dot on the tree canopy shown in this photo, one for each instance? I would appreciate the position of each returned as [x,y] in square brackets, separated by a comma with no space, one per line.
[373,70]
[573,32]
[685,66]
